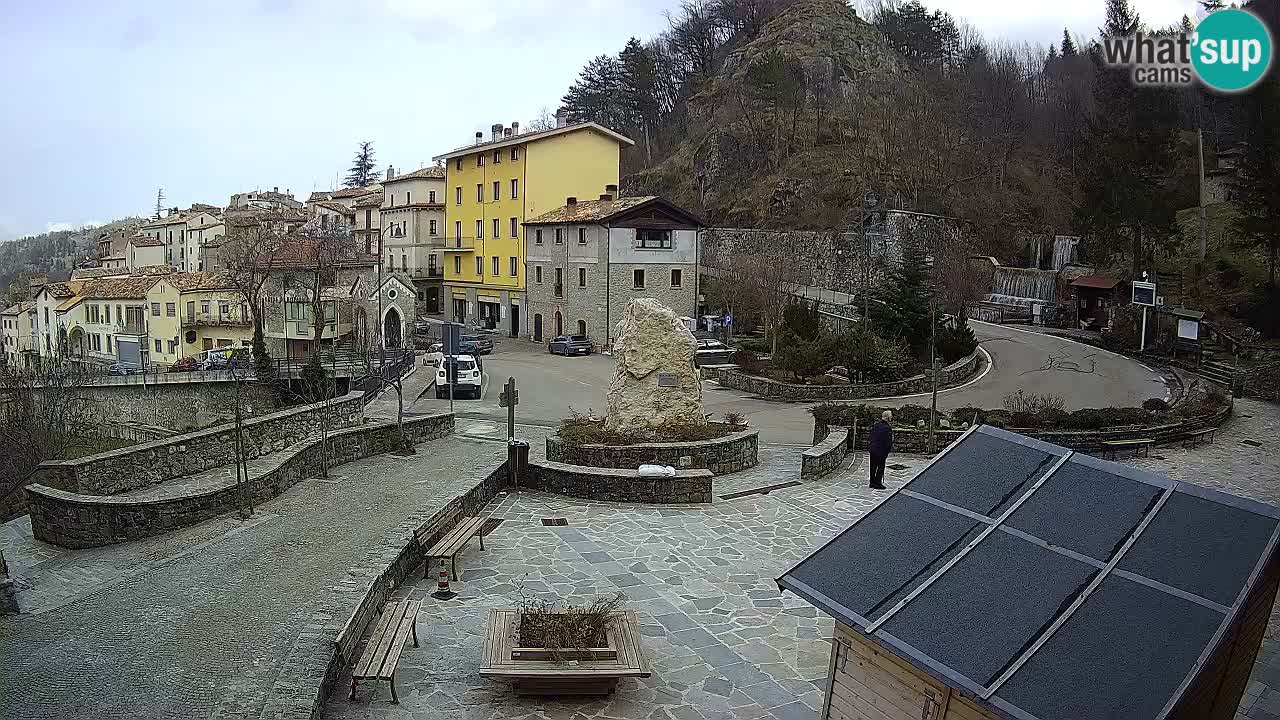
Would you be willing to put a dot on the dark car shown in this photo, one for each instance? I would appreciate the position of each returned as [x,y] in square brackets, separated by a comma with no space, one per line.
[482,345]
[569,345]
[186,364]
[123,368]
[711,352]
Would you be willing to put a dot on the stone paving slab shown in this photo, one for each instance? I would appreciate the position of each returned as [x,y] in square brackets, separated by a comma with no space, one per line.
[722,641]
[194,624]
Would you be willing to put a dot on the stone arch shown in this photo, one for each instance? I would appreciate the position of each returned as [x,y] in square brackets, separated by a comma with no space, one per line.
[392,328]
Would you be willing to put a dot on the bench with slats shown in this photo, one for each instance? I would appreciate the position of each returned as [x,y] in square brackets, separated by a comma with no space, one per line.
[1195,437]
[1143,445]
[452,543]
[378,663]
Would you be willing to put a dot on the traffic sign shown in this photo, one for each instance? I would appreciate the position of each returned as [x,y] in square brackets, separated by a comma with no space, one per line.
[450,338]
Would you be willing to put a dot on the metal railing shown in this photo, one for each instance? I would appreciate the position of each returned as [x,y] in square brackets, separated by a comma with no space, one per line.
[214,319]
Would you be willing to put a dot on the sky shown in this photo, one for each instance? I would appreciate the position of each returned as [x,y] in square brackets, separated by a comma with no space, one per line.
[106,102]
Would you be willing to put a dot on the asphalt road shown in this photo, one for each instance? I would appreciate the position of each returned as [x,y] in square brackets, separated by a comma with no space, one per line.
[552,386]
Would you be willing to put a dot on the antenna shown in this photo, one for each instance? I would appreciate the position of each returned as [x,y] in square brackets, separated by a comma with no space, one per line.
[159,202]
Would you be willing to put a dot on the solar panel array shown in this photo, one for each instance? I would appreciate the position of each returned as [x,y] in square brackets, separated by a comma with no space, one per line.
[1052,585]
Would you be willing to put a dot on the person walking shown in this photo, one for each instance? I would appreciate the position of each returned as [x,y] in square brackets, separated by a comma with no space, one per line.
[880,446]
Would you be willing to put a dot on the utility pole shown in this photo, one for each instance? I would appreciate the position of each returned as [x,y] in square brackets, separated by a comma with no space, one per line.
[933,370]
[1204,221]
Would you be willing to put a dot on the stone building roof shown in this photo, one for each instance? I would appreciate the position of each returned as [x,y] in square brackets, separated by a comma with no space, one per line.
[144,241]
[370,200]
[527,137]
[193,281]
[18,309]
[433,172]
[589,211]
[355,192]
[335,207]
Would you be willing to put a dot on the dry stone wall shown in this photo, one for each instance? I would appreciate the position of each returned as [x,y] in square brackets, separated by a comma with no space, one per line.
[721,456]
[688,486]
[956,373]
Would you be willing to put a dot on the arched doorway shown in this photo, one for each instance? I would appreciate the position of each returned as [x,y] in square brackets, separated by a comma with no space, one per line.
[392,332]
[75,342]
[582,327]
[537,327]
[559,324]
[360,328]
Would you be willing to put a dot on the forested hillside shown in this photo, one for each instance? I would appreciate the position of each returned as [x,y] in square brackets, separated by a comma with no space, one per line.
[779,113]
[52,253]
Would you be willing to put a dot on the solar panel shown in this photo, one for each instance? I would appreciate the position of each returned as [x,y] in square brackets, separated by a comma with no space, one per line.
[1121,655]
[885,550]
[983,473]
[1085,509]
[978,616]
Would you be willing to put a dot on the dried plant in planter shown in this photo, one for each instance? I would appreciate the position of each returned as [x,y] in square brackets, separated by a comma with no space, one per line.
[567,630]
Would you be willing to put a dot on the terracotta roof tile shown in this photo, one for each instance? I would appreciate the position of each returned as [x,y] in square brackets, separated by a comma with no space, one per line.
[433,173]
[18,309]
[355,192]
[187,282]
[585,211]
[144,241]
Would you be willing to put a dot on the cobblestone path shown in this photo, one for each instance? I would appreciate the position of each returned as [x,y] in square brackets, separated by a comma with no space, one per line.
[192,625]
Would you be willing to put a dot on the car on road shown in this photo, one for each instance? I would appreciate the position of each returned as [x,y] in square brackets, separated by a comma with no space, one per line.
[711,352]
[225,357]
[569,345]
[123,368]
[435,353]
[186,364]
[469,378]
[483,345]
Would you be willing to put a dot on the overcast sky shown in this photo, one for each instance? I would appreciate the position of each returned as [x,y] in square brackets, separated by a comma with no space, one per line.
[105,102]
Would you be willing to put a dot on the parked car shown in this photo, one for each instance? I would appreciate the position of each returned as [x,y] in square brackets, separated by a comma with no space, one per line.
[223,358]
[569,345]
[123,368]
[711,352]
[186,364]
[469,377]
[483,345]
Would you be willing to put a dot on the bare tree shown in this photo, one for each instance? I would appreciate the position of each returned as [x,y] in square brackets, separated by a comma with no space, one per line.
[386,376]
[321,251]
[546,120]
[961,277]
[43,414]
[766,281]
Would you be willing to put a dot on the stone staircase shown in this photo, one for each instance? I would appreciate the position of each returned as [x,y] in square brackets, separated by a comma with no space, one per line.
[1218,372]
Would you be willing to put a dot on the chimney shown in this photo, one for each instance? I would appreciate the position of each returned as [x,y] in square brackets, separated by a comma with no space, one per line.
[571,200]
[479,137]
[562,118]
[495,131]
[515,128]
[275,189]
[506,132]
[391,172]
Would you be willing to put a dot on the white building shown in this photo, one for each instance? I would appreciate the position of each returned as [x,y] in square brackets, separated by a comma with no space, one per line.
[412,231]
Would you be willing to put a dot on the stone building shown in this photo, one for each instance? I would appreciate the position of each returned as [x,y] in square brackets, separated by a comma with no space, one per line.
[588,259]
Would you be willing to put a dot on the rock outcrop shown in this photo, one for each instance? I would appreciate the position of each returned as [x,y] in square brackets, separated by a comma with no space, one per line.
[655,383]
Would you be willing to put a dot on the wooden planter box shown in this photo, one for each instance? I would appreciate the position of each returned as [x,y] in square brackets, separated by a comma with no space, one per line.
[539,671]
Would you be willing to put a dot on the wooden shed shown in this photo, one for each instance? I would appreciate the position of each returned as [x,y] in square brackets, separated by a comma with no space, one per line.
[1015,579]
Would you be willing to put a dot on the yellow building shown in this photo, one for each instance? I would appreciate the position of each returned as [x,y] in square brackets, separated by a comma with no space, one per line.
[491,188]
[193,312]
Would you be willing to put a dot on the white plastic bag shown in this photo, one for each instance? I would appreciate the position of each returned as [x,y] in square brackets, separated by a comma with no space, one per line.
[656,471]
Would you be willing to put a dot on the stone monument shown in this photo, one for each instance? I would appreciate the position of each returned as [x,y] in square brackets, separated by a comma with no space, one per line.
[655,383]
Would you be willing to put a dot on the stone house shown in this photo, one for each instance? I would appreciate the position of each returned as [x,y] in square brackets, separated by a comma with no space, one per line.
[588,259]
[412,219]
[287,304]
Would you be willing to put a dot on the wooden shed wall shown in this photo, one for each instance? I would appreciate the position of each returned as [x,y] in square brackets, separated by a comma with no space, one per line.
[1216,691]
[869,683]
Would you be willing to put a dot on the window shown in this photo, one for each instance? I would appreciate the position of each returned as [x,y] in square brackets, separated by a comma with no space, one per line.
[497,190]
[515,188]
[637,279]
[515,153]
[155,311]
[431,196]
[582,236]
[497,269]
[170,309]
[654,239]
[515,225]
[479,192]
[515,267]
[224,308]
[480,266]
[458,165]
[497,228]
[173,347]
[559,238]
[479,159]
[497,156]
[457,265]
[158,347]
[457,192]
[537,274]
[676,278]
[404,263]
[582,328]
[368,218]
[393,199]
[109,344]
[119,315]
[582,277]
[559,282]
[479,229]
[432,227]
[408,198]
[457,232]
[537,236]
[108,309]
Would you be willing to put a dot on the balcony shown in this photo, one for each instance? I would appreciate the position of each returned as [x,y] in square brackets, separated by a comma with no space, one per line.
[304,330]
[234,318]
[427,273]
[133,327]
[459,245]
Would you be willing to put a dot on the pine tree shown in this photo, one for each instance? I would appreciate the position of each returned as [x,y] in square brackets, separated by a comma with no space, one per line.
[907,299]
[1068,45]
[1258,184]
[1120,19]
[362,170]
[1212,5]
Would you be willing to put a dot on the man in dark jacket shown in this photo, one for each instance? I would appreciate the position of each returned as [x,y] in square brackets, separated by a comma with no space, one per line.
[880,446]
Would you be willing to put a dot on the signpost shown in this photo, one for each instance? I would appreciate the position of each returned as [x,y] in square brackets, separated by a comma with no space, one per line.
[450,343]
[1144,294]
[509,398]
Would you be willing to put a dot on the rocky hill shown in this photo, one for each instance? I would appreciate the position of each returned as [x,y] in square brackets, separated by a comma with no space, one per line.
[55,254]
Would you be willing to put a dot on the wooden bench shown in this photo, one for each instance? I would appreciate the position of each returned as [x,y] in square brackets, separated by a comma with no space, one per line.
[1111,447]
[451,544]
[382,654]
[1195,437]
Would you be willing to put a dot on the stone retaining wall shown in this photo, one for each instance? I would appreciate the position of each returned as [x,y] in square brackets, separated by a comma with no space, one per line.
[721,456]
[137,466]
[913,440]
[826,455]
[75,520]
[954,374]
[311,669]
[688,486]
